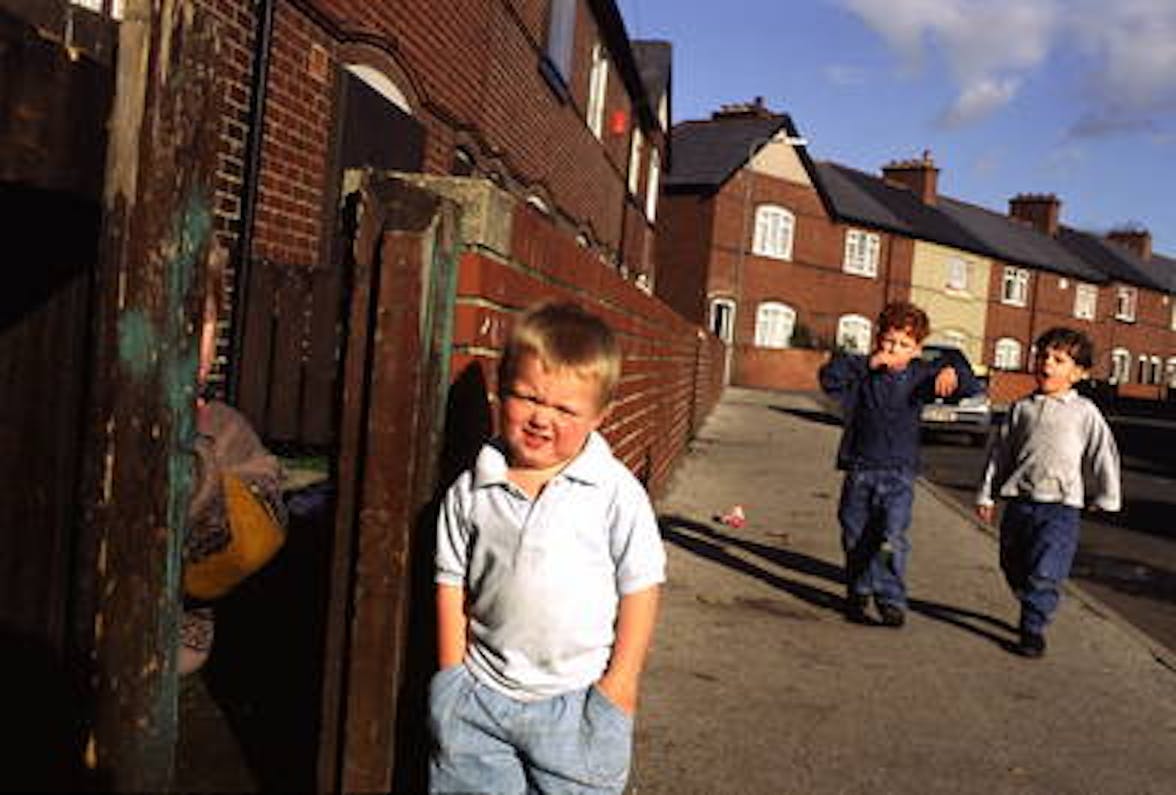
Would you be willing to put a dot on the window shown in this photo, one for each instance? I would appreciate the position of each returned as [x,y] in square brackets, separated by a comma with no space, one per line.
[651,188]
[1172,324]
[1015,288]
[957,275]
[861,252]
[111,8]
[773,232]
[1120,366]
[1157,370]
[561,29]
[597,90]
[1143,373]
[1085,301]
[635,146]
[853,333]
[1170,373]
[774,324]
[1008,354]
[722,319]
[1125,299]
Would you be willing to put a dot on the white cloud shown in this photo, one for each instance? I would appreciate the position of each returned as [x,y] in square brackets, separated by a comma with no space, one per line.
[991,47]
[980,99]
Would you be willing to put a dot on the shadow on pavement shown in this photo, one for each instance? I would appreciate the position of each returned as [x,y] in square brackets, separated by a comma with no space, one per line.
[704,540]
[810,415]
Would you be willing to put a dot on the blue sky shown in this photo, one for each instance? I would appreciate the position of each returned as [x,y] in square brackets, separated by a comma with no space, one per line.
[1071,97]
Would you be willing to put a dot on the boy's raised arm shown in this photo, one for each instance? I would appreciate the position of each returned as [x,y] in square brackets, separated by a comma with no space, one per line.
[636,616]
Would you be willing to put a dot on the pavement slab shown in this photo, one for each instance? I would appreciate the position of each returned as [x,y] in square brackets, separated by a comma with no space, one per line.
[757,684]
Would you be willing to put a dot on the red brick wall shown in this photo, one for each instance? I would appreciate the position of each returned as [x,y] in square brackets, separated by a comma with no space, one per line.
[683,254]
[792,368]
[474,66]
[672,372]
[298,127]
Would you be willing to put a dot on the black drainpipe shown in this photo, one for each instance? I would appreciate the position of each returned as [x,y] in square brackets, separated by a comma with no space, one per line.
[262,39]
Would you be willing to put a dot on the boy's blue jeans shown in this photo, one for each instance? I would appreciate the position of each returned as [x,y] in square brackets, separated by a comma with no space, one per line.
[485,742]
[875,511]
[1037,545]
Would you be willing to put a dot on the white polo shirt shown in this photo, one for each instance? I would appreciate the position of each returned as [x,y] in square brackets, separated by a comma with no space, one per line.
[543,578]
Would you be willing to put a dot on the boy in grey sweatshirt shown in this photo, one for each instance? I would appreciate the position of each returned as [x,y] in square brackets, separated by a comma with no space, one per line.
[1050,444]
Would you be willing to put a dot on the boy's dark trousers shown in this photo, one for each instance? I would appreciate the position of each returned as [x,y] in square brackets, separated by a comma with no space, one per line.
[875,511]
[1037,545]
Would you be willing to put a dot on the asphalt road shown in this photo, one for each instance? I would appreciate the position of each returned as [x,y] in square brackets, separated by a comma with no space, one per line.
[1126,560]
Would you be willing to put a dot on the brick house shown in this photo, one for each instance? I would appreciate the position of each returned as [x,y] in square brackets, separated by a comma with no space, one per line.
[990,282]
[750,248]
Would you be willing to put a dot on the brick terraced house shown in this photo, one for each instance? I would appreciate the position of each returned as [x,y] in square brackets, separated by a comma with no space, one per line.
[786,259]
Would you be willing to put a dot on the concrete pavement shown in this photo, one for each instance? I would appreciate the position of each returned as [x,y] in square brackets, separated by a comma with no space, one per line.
[756,684]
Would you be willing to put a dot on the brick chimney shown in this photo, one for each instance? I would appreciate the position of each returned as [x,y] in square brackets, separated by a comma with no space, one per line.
[744,110]
[1039,210]
[1137,239]
[919,175]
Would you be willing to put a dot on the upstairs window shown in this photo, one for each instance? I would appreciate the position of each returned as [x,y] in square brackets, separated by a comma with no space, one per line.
[636,144]
[957,275]
[853,333]
[597,90]
[1007,355]
[1125,303]
[1085,301]
[1015,287]
[774,324]
[861,252]
[110,8]
[1120,366]
[773,232]
[652,187]
[561,30]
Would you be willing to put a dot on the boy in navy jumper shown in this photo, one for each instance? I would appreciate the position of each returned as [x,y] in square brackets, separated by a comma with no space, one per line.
[882,396]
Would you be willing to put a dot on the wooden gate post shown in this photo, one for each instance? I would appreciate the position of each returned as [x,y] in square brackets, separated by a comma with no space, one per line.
[157,227]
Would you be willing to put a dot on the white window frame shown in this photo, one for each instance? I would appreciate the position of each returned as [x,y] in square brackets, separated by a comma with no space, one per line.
[1143,369]
[862,249]
[1170,371]
[1120,366]
[636,144]
[722,319]
[1172,322]
[774,230]
[957,275]
[652,184]
[1085,301]
[775,323]
[1126,303]
[597,90]
[114,12]
[857,330]
[1007,354]
[1014,288]
[1157,370]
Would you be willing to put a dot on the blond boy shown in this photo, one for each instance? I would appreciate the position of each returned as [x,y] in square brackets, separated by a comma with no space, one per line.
[548,567]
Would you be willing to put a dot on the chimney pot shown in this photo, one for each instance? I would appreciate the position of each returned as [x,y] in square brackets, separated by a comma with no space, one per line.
[1042,211]
[918,175]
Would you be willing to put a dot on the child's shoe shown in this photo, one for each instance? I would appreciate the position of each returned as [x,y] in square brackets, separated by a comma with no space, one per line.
[855,608]
[1032,644]
[891,615]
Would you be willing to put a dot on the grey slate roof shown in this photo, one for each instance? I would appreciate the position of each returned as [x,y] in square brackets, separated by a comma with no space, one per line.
[1117,262]
[707,153]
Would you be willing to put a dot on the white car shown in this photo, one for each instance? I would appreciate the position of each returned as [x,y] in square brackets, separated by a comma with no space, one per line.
[970,415]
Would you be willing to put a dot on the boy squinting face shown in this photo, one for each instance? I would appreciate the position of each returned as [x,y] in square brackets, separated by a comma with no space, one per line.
[1056,371]
[547,415]
[894,348]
